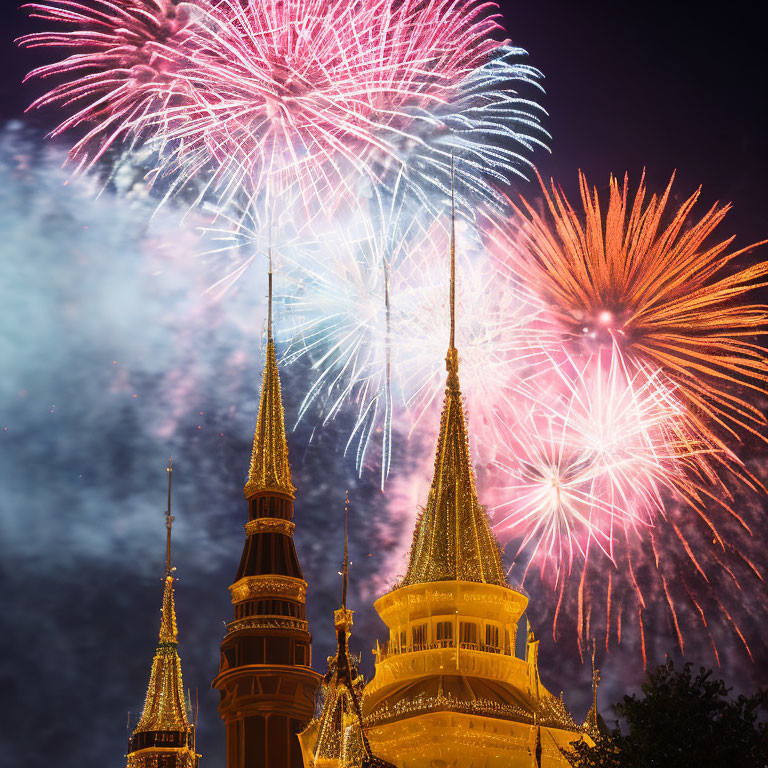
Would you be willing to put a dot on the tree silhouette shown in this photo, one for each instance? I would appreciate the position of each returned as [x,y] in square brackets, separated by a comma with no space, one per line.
[682,721]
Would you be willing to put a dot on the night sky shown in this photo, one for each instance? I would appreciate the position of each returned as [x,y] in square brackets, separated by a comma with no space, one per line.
[110,361]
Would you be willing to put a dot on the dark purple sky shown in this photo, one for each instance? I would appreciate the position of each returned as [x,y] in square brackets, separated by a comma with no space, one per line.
[660,86]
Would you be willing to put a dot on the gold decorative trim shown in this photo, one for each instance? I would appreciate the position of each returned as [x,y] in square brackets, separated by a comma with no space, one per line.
[550,713]
[268,622]
[269,525]
[269,586]
[154,757]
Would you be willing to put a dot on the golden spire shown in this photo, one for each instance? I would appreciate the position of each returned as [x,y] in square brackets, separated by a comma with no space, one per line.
[345,565]
[270,470]
[592,723]
[168,520]
[164,707]
[337,737]
[453,538]
[343,616]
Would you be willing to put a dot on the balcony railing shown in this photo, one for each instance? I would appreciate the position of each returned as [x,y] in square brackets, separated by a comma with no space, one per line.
[393,648]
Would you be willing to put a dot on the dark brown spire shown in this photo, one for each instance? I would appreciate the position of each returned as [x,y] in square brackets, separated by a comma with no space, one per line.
[265,678]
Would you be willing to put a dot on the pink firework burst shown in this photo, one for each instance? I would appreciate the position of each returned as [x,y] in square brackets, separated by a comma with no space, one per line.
[307,92]
[589,452]
[120,64]
[617,499]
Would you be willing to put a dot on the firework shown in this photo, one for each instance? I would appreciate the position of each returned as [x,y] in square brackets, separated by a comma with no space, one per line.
[364,309]
[487,124]
[648,284]
[605,491]
[329,95]
[591,450]
[621,470]
[241,236]
[121,64]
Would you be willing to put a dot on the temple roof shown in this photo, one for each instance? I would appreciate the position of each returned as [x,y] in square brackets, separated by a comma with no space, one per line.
[270,470]
[164,708]
[453,538]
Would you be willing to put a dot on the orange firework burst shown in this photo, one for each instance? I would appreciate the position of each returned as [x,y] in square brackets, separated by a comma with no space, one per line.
[646,281]
[646,284]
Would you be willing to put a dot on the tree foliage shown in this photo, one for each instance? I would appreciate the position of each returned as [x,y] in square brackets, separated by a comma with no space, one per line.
[680,721]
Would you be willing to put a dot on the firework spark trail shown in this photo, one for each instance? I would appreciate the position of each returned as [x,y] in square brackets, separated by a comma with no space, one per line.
[341,313]
[325,95]
[120,65]
[664,590]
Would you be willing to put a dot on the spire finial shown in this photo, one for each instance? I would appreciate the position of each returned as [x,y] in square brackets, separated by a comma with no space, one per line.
[452,358]
[593,723]
[164,707]
[269,278]
[168,520]
[345,566]
[595,680]
[453,258]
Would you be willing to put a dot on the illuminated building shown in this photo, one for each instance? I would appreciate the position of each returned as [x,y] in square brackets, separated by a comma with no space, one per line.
[265,679]
[449,690]
[164,737]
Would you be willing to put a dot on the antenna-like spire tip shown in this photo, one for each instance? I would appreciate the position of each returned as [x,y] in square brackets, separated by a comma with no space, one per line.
[452,359]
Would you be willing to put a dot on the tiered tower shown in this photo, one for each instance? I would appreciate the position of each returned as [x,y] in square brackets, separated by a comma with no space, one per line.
[164,737]
[265,678]
[449,689]
[336,738]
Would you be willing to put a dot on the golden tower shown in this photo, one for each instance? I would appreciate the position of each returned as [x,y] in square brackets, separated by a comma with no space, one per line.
[336,738]
[164,737]
[448,690]
[265,678]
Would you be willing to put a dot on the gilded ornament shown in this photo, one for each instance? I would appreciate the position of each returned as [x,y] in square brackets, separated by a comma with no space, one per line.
[269,525]
[251,587]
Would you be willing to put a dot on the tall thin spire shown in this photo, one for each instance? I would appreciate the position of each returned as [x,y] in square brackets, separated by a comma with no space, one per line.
[164,707]
[337,736]
[269,311]
[345,566]
[453,539]
[594,722]
[270,470]
[452,345]
[265,675]
[168,520]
